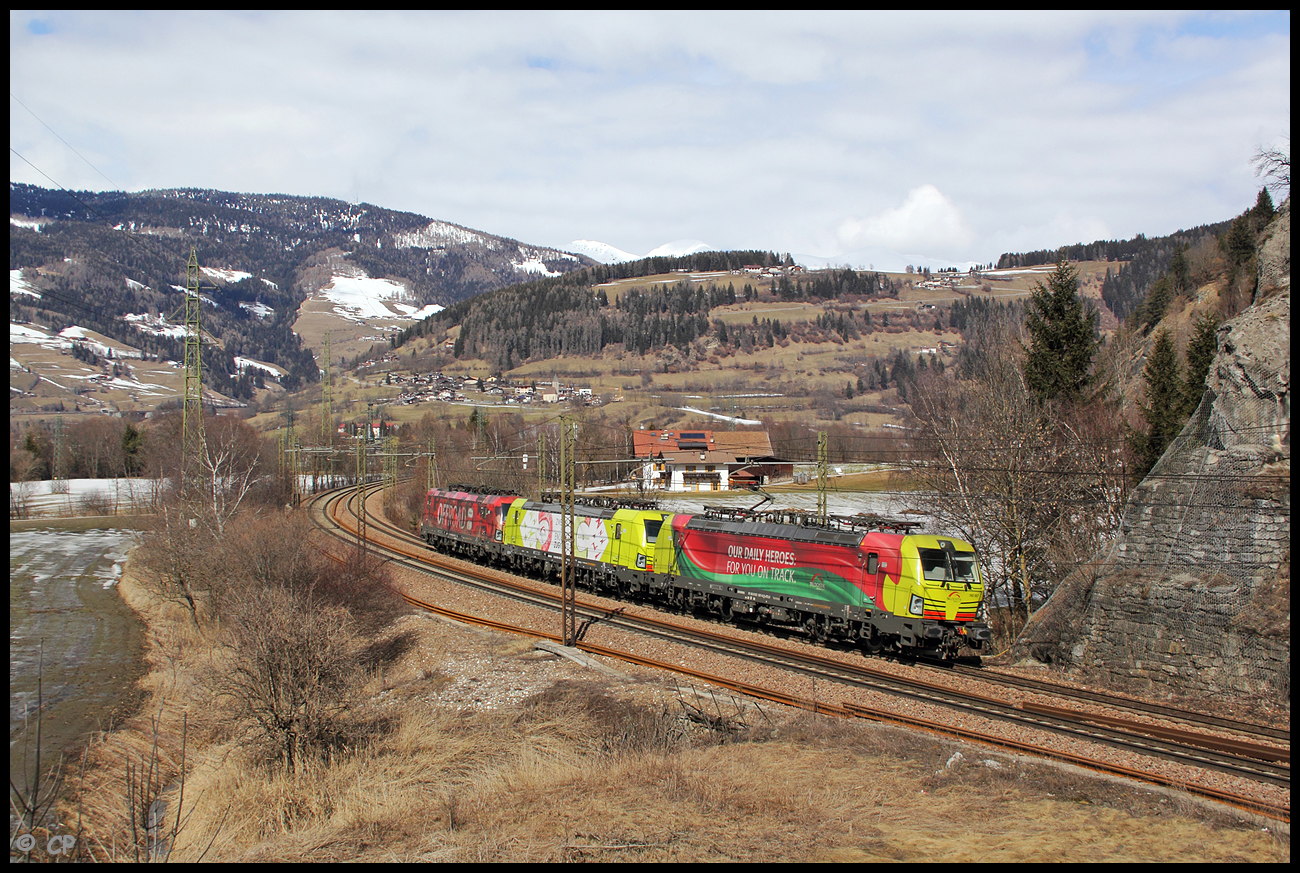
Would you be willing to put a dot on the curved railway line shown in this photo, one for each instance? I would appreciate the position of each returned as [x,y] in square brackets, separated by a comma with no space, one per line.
[1257,753]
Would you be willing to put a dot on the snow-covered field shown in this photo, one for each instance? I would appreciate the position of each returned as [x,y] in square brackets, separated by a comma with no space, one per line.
[64,339]
[440,233]
[18,285]
[361,298]
[116,496]
[226,275]
[261,310]
[533,265]
[244,363]
[156,325]
[719,417]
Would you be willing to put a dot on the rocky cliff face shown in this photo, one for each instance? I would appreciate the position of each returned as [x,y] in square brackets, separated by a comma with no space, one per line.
[1193,600]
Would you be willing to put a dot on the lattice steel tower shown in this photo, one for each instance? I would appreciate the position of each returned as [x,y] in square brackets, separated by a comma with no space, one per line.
[192,402]
[821,477]
[326,396]
[568,565]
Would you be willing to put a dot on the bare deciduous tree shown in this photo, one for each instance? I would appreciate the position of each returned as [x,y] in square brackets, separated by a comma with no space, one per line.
[1273,163]
[1037,495]
[176,554]
[272,549]
[229,458]
[96,447]
[988,442]
[292,671]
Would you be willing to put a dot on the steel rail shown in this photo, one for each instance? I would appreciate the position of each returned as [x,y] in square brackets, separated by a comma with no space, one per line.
[1187,747]
[1122,702]
[813,666]
[1259,751]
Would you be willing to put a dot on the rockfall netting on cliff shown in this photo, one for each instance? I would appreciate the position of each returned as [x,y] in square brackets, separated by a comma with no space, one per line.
[1193,598]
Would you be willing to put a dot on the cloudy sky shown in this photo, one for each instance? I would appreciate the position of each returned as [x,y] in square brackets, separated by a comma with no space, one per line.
[955,136]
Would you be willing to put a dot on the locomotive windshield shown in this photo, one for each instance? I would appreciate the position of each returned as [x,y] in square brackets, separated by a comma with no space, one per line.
[938,565]
[652,526]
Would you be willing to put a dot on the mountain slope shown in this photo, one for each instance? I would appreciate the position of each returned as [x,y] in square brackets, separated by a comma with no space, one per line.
[96,257]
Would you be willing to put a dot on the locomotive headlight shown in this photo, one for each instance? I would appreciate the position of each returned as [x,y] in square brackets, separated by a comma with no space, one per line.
[917,606]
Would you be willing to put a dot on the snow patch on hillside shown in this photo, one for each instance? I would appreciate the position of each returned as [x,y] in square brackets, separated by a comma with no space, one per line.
[219,275]
[65,339]
[718,416]
[260,310]
[360,297]
[156,325]
[439,234]
[243,364]
[19,285]
[532,261]
[418,314]
[25,333]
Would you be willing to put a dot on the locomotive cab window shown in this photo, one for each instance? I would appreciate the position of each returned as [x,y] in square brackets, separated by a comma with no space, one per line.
[873,564]
[652,529]
[618,531]
[938,565]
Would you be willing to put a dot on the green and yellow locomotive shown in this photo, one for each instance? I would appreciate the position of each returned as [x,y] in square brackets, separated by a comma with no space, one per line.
[864,582]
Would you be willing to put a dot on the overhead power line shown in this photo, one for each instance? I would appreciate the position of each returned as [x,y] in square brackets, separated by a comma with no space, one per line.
[62,140]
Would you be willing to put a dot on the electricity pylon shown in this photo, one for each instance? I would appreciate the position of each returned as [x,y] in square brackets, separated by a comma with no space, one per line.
[821,477]
[326,396]
[568,566]
[192,401]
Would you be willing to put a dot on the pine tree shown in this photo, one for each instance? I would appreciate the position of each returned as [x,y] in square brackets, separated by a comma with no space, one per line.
[1165,393]
[1180,272]
[132,449]
[1263,212]
[1239,244]
[1062,338]
[1201,350]
[1156,305]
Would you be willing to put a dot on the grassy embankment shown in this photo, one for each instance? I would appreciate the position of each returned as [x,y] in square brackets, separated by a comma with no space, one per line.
[583,767]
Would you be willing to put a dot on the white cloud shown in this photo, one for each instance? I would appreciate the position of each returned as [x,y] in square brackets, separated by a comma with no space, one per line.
[797,132]
[927,221]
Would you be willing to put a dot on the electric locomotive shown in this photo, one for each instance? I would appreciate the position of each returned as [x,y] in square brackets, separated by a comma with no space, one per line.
[863,581]
[860,581]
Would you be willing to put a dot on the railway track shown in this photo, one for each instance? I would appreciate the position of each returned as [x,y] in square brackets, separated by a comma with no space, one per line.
[1237,757]
[1249,729]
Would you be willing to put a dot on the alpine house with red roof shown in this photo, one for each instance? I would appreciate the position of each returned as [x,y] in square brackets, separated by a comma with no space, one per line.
[705,460]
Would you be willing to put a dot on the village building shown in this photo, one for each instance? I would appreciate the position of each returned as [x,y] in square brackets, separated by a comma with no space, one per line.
[705,460]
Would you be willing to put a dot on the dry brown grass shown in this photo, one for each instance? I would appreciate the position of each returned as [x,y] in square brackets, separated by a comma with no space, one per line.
[598,770]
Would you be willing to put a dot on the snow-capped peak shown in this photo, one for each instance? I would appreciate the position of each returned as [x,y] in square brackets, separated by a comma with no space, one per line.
[602,252]
[679,247]
[608,254]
